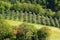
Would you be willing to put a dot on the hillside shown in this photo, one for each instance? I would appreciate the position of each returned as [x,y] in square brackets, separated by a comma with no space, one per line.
[29,19]
[55,32]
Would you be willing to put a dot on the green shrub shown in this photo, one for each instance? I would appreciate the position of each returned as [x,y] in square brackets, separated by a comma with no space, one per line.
[43,33]
[4,6]
[26,32]
[49,12]
[5,29]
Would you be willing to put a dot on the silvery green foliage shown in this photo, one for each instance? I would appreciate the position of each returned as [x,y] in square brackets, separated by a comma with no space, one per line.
[31,18]
[57,22]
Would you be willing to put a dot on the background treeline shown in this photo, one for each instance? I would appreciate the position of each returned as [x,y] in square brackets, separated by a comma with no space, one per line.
[42,7]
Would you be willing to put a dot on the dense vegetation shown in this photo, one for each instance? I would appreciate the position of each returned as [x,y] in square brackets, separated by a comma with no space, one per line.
[42,7]
[46,12]
[22,32]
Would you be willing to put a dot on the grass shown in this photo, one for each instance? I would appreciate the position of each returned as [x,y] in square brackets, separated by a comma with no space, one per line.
[55,32]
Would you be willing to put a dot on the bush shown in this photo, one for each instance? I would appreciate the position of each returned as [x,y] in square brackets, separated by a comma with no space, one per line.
[4,6]
[5,29]
[43,33]
[49,12]
[26,32]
